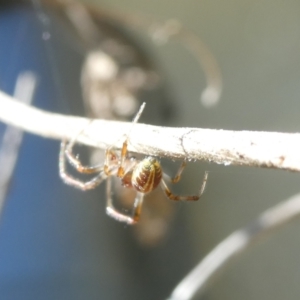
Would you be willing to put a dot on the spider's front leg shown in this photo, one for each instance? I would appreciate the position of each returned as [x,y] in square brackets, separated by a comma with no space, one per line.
[121,170]
[75,162]
[70,180]
[124,150]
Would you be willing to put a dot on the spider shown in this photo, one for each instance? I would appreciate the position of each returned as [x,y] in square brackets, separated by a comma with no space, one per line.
[142,175]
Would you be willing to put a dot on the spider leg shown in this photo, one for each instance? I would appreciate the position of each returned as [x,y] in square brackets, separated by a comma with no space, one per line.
[112,212]
[110,156]
[67,148]
[177,177]
[68,179]
[124,151]
[174,197]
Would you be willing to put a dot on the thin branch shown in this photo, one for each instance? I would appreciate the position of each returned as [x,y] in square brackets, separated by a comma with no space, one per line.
[12,137]
[247,148]
[235,244]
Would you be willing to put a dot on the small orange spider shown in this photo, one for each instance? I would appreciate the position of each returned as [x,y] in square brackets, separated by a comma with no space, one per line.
[142,175]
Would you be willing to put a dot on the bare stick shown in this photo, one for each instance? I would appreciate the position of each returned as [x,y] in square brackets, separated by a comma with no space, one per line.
[238,242]
[247,148]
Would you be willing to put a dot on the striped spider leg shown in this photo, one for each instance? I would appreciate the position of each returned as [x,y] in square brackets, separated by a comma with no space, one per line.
[176,179]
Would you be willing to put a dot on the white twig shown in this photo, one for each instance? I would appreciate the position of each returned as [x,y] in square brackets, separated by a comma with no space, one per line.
[238,242]
[12,137]
[247,148]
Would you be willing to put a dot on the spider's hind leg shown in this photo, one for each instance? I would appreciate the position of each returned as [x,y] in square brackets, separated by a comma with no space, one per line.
[174,197]
[177,177]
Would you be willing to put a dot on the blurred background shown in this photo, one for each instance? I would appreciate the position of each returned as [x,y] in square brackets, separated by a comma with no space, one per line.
[56,242]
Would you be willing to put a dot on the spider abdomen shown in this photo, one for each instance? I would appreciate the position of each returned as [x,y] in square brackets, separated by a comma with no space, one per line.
[146,175]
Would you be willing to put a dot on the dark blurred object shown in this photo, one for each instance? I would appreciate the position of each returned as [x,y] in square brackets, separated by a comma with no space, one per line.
[10,3]
[118,73]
